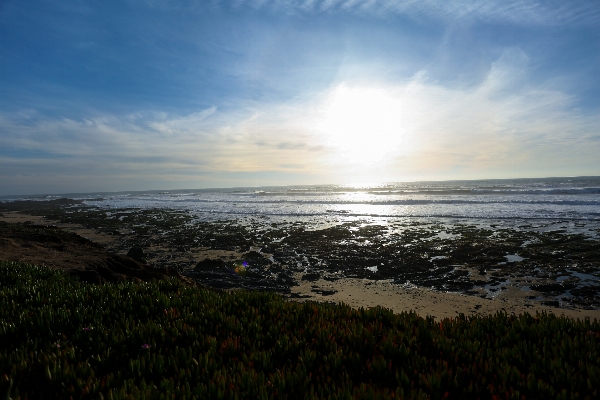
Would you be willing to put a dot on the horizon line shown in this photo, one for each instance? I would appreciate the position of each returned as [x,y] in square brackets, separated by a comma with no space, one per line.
[349,185]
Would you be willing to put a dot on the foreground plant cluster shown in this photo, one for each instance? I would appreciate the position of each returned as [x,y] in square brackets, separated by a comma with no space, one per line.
[60,338]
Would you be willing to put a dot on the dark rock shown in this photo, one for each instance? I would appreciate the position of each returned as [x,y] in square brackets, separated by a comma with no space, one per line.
[137,253]
[298,296]
[286,279]
[323,292]
[553,288]
[551,303]
[311,276]
[256,261]
[21,205]
[253,255]
[211,264]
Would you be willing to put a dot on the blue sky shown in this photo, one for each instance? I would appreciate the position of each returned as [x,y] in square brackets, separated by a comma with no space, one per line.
[134,95]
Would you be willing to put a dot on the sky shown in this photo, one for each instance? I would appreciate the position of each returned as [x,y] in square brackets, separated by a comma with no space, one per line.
[139,95]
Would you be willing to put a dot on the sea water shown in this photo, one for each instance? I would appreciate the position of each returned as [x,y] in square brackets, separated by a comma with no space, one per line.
[571,204]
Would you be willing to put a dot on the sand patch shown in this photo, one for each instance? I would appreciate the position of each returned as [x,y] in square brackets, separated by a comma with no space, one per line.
[369,293]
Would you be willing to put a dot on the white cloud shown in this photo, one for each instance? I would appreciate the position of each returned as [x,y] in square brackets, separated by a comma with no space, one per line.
[188,124]
[503,127]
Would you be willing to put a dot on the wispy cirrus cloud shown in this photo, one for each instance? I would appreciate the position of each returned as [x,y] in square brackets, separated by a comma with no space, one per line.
[516,11]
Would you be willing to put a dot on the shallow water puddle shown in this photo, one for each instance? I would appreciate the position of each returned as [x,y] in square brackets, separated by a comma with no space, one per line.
[582,277]
[447,235]
[438,258]
[494,288]
[513,258]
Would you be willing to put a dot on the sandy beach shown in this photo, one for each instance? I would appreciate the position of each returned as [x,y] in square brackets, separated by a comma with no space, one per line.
[426,302]
[351,291]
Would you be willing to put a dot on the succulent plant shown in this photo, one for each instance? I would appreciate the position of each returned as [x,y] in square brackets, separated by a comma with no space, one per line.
[61,338]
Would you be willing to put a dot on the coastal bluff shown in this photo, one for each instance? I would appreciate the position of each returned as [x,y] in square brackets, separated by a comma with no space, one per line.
[60,249]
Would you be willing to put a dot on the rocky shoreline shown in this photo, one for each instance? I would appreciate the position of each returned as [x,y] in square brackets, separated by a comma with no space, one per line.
[550,268]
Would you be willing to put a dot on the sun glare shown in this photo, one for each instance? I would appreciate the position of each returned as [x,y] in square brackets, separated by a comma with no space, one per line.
[362,125]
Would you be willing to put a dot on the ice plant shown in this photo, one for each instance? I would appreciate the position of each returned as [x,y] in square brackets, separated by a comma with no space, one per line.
[209,344]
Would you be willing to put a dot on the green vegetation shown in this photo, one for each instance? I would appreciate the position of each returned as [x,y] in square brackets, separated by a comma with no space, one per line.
[62,338]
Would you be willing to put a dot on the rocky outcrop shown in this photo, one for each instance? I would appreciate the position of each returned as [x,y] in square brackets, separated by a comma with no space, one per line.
[137,253]
[89,261]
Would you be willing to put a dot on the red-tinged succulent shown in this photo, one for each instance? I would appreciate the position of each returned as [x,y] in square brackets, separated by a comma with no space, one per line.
[207,344]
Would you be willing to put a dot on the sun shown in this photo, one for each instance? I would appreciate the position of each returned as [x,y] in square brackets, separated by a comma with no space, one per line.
[362,125]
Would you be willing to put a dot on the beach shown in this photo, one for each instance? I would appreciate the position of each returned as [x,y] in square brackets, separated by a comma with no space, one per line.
[434,269]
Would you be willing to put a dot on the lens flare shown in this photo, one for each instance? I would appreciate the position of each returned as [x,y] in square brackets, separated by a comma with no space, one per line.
[241,267]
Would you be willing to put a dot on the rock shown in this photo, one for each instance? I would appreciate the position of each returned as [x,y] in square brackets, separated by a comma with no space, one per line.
[88,261]
[137,253]
[211,264]
[311,277]
[253,255]
[256,261]
[286,279]
[551,303]
[21,205]
[323,292]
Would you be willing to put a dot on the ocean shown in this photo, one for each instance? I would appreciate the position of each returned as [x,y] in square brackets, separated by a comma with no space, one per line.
[571,203]
[475,237]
